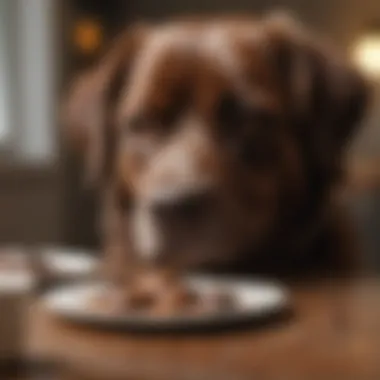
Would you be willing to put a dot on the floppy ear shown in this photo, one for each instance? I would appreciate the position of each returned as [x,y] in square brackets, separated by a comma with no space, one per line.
[88,111]
[324,96]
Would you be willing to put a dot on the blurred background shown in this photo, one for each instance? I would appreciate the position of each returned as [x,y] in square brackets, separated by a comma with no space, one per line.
[43,43]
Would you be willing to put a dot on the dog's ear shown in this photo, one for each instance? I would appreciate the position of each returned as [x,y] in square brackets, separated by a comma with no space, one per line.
[324,96]
[88,110]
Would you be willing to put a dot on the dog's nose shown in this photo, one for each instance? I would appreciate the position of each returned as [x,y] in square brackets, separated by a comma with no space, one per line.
[188,207]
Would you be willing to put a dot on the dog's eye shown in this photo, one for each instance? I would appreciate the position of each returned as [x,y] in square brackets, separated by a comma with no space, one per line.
[263,117]
[236,117]
[167,115]
[256,152]
[248,130]
[231,114]
[257,144]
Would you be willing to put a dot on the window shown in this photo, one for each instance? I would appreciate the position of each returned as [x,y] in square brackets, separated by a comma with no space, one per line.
[28,81]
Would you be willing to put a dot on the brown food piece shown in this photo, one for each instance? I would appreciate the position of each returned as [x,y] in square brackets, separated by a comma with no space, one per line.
[221,301]
[212,303]
[157,292]
[143,292]
[176,300]
[119,301]
[141,300]
[163,292]
[154,282]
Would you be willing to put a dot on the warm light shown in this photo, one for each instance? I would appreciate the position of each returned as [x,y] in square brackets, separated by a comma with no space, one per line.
[88,36]
[366,54]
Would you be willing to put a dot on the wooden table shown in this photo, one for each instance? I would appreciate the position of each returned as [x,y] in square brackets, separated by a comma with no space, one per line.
[335,334]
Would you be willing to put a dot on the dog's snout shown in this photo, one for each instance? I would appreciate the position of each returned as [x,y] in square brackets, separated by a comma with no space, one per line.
[187,208]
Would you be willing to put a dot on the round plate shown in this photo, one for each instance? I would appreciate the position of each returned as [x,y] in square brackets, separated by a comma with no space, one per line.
[69,262]
[255,301]
[15,282]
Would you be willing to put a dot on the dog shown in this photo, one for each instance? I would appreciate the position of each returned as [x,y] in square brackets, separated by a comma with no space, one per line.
[217,144]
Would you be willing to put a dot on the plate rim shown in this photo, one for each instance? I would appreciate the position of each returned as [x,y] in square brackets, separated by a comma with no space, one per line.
[69,251]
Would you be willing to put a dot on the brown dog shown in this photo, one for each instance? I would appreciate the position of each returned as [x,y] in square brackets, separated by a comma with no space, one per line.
[218,143]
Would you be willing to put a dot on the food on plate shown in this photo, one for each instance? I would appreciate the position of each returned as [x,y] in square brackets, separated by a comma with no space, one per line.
[160,293]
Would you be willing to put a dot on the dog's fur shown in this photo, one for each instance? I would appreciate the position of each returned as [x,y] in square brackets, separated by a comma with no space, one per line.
[255,113]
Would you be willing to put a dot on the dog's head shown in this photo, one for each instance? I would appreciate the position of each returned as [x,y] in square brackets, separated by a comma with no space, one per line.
[216,132]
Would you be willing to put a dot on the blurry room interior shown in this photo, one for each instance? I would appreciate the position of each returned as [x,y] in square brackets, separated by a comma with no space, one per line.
[43,197]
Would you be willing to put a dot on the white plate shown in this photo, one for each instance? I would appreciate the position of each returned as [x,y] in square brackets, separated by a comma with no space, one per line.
[69,262]
[255,301]
[15,282]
